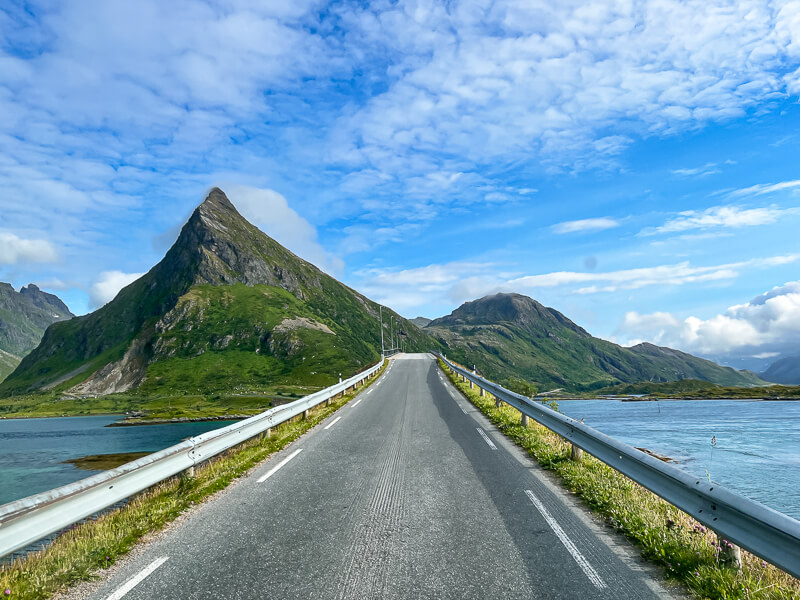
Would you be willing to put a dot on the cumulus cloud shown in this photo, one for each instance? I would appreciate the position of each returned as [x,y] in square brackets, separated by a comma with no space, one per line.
[438,284]
[271,212]
[764,327]
[109,284]
[15,250]
[581,225]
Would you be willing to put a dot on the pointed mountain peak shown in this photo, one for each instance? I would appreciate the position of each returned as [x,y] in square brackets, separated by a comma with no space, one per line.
[217,200]
[216,208]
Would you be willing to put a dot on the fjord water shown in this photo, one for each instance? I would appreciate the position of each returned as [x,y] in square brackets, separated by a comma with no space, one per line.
[757,451]
[32,451]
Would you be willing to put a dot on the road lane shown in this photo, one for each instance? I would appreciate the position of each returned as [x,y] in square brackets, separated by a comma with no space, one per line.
[404,498]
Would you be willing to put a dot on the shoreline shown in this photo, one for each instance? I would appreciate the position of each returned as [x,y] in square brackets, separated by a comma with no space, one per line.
[174,420]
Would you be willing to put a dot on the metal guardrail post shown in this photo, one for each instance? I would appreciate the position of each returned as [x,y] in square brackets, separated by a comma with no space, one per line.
[765,532]
[576,453]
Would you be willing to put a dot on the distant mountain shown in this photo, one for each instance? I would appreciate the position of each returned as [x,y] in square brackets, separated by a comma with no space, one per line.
[420,321]
[785,371]
[226,306]
[511,335]
[24,316]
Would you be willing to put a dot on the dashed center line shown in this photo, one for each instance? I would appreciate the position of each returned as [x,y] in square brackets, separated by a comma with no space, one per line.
[138,578]
[280,465]
[579,558]
[356,403]
[332,423]
[486,438]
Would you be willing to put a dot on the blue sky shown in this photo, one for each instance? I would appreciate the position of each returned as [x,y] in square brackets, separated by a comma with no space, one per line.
[632,164]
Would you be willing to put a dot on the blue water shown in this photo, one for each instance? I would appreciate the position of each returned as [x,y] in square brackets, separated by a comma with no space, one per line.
[757,452]
[32,451]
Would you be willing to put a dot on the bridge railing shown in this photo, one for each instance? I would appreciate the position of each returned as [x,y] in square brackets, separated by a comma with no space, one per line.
[765,532]
[28,520]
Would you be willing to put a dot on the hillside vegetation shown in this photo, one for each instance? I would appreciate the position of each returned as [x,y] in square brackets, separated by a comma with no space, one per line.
[511,335]
[228,309]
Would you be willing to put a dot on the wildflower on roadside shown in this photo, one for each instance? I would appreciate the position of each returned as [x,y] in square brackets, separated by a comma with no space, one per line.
[764,563]
[7,592]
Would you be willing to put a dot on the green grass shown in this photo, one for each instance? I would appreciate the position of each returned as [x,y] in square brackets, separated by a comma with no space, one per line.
[86,550]
[665,535]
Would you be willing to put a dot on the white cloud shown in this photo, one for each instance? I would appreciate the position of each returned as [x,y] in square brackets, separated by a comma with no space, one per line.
[722,216]
[456,282]
[109,284]
[762,328]
[707,169]
[630,279]
[441,284]
[14,250]
[596,224]
[509,80]
[767,188]
[271,212]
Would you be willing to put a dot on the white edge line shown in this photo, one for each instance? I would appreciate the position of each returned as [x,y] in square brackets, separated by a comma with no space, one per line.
[137,579]
[356,403]
[486,438]
[579,558]
[275,469]
[332,423]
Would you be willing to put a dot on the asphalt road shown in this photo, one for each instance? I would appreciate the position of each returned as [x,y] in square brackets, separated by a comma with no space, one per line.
[406,492]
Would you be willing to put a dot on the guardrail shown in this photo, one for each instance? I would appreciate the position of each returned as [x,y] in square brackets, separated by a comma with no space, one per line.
[30,519]
[765,532]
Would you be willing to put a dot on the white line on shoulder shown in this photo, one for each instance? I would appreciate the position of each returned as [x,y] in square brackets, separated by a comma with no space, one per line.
[332,423]
[137,579]
[579,558]
[486,438]
[277,467]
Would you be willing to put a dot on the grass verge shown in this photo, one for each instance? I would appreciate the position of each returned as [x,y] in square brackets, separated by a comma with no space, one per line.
[666,536]
[86,549]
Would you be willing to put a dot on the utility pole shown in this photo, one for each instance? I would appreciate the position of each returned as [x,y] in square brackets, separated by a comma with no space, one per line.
[382,350]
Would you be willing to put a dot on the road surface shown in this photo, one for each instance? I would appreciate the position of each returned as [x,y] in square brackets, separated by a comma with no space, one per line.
[406,492]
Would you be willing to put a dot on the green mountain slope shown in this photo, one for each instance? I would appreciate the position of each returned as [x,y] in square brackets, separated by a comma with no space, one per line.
[226,306]
[8,362]
[510,335]
[24,316]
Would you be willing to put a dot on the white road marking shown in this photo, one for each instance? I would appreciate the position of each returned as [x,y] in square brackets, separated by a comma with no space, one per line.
[137,579]
[356,403]
[369,391]
[486,438]
[332,423]
[579,558]
[281,464]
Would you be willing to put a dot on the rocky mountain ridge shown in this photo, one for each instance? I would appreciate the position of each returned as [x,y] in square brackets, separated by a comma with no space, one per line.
[24,317]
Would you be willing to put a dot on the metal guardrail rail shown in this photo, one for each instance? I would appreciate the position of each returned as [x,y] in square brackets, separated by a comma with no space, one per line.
[765,532]
[30,519]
